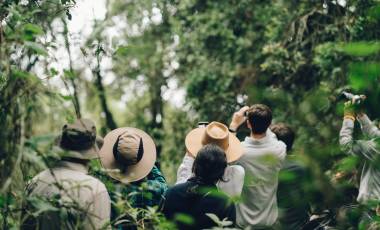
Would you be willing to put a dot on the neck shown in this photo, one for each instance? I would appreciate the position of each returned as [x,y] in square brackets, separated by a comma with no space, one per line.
[83,162]
[258,136]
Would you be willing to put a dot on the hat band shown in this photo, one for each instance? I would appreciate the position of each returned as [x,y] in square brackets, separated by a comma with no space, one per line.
[127,162]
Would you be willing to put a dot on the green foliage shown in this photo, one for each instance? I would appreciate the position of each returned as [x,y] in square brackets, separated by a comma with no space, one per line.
[295,56]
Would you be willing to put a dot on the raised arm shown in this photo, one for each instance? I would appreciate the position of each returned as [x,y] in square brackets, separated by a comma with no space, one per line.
[367,126]
[345,135]
[366,149]
[184,171]
[238,119]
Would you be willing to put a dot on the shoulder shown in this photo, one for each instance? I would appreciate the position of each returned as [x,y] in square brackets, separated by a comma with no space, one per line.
[177,191]
[100,187]
[235,170]
[93,183]
[178,187]
[280,148]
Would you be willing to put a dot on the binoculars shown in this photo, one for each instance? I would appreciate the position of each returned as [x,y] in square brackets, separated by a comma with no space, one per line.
[357,99]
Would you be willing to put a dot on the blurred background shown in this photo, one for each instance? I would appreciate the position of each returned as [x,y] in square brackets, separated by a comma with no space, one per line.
[164,65]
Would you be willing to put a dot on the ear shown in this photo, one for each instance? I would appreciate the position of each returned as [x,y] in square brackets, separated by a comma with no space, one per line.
[249,125]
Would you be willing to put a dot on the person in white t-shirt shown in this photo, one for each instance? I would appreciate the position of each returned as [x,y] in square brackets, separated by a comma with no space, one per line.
[262,160]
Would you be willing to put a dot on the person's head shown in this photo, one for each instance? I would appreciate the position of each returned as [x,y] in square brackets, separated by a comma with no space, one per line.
[285,134]
[128,154]
[78,140]
[209,164]
[259,118]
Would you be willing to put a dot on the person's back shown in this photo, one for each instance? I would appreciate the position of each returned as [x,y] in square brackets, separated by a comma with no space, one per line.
[76,193]
[293,206]
[262,160]
[183,199]
[64,196]
[129,155]
[292,203]
[188,203]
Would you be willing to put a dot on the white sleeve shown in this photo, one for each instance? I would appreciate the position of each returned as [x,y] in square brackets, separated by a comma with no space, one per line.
[233,180]
[184,171]
[368,127]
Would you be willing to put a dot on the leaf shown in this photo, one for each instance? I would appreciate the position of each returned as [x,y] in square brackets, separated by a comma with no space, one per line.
[53,72]
[41,205]
[36,48]
[374,12]
[183,218]
[122,50]
[66,97]
[362,75]
[33,29]
[361,48]
[20,74]
[348,164]
[286,176]
[214,218]
[69,74]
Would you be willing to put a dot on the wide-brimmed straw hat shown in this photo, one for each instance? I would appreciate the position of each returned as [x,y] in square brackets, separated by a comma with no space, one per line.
[128,154]
[214,133]
[79,140]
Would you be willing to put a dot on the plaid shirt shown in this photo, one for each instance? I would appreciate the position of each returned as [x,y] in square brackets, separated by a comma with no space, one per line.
[146,192]
[140,194]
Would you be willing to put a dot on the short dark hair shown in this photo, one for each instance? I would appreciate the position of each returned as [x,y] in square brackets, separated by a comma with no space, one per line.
[260,118]
[285,134]
[209,164]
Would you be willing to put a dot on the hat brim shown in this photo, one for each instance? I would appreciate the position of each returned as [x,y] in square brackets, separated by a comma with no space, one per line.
[134,172]
[193,143]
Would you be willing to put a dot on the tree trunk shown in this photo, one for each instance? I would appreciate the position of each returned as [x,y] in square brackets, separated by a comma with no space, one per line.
[71,78]
[156,109]
[110,122]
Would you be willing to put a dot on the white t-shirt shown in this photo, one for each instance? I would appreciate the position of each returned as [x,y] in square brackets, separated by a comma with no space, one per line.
[262,161]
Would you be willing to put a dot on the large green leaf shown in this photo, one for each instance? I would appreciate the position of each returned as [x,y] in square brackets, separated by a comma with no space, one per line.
[362,75]
[361,48]
[36,48]
[30,31]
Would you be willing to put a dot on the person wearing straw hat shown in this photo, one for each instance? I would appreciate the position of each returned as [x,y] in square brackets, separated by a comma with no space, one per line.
[193,204]
[216,133]
[129,156]
[67,187]
[262,160]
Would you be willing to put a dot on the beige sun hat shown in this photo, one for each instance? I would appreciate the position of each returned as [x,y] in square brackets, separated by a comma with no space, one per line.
[214,133]
[79,140]
[128,153]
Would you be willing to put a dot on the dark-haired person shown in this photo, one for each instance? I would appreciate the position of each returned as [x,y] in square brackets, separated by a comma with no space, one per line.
[292,201]
[262,160]
[199,195]
[215,133]
[369,152]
